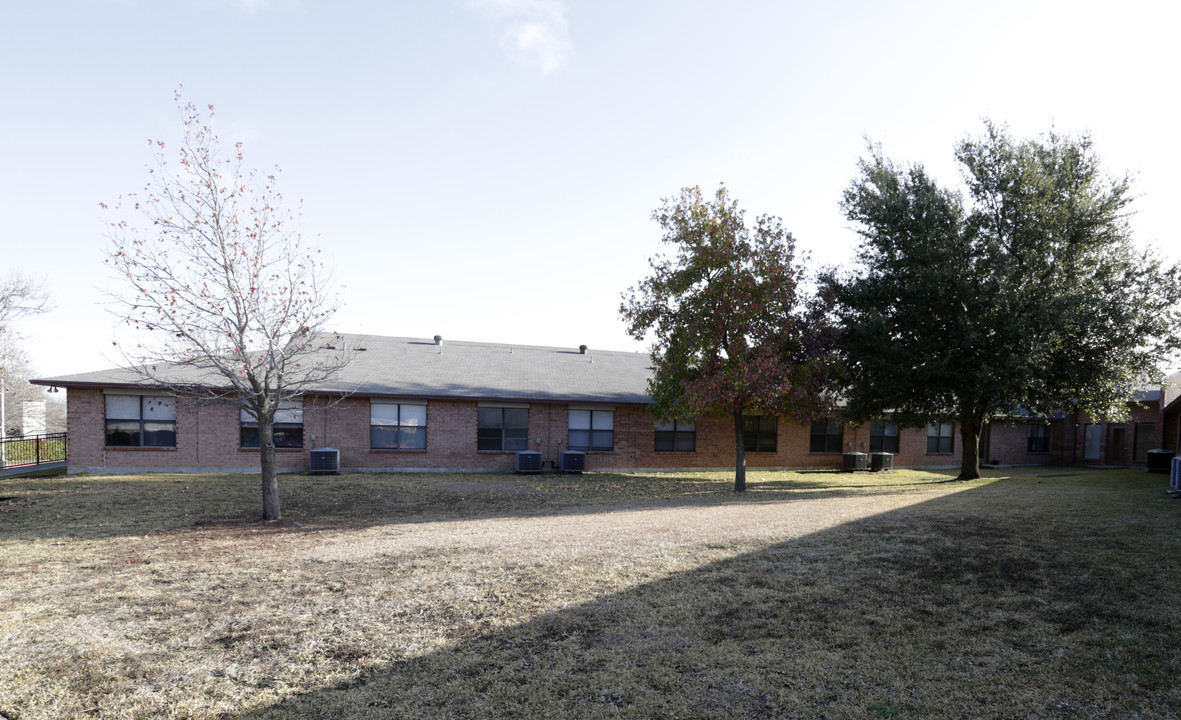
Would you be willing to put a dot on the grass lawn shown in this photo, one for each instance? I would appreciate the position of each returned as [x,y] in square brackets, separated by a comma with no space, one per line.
[1032,593]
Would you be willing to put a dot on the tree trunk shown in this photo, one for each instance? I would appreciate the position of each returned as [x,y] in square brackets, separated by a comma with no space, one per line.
[266,457]
[739,455]
[970,436]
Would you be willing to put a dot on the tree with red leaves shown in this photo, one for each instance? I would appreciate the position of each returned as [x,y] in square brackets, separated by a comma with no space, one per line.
[735,332]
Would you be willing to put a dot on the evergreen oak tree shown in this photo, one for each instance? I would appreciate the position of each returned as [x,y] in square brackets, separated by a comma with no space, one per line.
[1028,294]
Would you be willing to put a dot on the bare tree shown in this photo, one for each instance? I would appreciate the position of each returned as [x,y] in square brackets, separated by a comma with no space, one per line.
[20,296]
[55,413]
[14,384]
[228,302]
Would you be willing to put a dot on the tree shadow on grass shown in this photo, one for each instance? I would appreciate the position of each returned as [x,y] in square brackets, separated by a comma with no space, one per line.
[982,604]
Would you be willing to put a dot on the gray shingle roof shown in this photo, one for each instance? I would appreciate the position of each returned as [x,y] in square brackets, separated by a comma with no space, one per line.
[418,368]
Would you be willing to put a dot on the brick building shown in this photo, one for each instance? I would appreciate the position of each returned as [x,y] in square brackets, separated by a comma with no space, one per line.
[1076,438]
[413,404]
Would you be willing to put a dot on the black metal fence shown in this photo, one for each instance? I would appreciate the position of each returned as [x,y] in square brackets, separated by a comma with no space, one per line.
[33,450]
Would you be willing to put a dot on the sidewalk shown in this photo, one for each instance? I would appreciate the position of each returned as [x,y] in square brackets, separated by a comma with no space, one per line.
[42,469]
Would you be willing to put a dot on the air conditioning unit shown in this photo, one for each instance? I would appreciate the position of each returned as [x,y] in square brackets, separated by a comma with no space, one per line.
[879,461]
[1159,460]
[572,461]
[324,461]
[851,461]
[528,461]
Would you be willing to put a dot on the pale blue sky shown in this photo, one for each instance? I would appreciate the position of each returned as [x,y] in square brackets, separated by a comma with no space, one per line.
[486,169]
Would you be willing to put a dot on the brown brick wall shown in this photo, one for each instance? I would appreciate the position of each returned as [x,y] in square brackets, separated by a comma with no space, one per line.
[1075,424]
[207,438]
[1009,445]
[1172,421]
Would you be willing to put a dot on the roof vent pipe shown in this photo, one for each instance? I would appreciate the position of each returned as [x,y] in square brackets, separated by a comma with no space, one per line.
[582,349]
[438,339]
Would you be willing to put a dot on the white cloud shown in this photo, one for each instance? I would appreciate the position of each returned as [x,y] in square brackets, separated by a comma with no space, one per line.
[536,32]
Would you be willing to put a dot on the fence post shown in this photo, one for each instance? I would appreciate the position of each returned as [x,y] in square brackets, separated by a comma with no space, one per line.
[37,451]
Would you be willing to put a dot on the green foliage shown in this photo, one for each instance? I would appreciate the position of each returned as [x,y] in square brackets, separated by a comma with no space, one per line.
[1029,293]
[733,329]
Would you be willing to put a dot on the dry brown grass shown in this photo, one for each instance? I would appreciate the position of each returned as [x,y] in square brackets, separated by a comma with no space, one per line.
[1039,593]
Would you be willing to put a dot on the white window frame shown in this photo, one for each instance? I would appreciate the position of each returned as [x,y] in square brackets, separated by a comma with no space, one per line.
[147,405]
[600,424]
[943,433]
[511,439]
[676,432]
[398,425]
